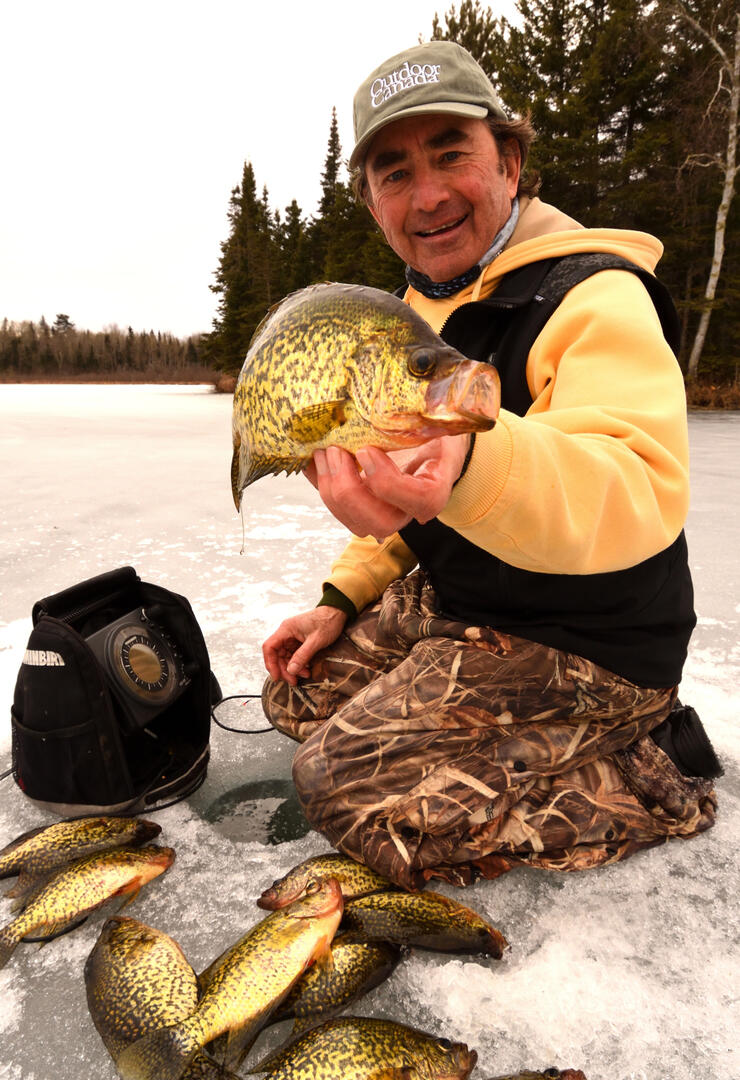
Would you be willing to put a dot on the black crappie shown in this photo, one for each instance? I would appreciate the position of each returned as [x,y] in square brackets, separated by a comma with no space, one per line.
[364,1048]
[242,987]
[73,891]
[326,989]
[138,980]
[427,920]
[349,366]
[354,878]
[41,850]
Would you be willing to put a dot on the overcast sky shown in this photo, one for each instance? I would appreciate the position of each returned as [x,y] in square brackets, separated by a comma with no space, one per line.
[125,126]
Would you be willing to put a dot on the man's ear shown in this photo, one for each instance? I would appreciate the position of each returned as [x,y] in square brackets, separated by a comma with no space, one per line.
[512,162]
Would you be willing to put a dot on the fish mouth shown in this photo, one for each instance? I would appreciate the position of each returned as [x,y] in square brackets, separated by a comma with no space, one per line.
[468,1062]
[147,830]
[468,399]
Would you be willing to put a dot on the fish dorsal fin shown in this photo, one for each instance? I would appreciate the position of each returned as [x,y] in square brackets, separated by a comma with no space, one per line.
[312,423]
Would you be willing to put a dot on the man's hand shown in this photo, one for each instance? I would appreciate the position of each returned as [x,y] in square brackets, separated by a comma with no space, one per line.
[288,652]
[392,489]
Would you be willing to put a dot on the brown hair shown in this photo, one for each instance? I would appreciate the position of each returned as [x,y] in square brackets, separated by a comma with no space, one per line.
[505,132]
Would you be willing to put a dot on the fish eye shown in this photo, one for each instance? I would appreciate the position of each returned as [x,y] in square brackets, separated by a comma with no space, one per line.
[446,1044]
[421,364]
[313,886]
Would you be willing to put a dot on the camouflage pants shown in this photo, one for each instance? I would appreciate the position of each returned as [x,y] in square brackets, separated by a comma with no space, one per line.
[431,748]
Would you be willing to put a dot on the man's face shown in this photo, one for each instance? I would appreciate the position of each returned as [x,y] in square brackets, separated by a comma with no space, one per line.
[439,190]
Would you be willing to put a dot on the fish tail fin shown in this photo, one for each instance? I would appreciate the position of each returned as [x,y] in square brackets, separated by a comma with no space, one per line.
[161,1055]
[8,942]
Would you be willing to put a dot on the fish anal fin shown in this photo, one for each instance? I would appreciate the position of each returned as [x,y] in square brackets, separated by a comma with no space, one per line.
[54,930]
[241,1040]
[398,1072]
[235,473]
[270,466]
[312,423]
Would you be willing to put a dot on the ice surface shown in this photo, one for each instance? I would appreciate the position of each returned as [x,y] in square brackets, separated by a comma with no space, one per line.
[629,972]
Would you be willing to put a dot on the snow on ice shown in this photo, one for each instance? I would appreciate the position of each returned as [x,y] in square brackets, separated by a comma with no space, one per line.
[628,973]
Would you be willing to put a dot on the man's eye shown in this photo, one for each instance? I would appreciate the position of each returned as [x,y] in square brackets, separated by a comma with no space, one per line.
[395,176]
[451,155]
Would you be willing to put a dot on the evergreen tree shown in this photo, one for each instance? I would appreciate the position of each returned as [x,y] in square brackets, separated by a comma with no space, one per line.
[293,245]
[245,278]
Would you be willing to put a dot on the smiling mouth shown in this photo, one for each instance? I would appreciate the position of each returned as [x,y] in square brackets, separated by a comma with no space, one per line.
[442,228]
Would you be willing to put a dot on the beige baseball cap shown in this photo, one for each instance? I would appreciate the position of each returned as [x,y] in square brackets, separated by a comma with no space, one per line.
[437,77]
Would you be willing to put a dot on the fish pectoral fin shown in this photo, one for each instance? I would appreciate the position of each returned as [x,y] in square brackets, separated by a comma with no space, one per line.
[323,957]
[128,892]
[315,421]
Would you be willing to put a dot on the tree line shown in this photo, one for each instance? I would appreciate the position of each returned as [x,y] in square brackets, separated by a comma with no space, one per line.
[59,351]
[635,105]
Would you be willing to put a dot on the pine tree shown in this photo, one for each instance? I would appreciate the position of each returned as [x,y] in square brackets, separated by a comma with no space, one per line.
[246,275]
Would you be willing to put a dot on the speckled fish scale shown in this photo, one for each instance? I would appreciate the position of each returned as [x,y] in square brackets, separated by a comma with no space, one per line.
[365,1048]
[76,890]
[426,920]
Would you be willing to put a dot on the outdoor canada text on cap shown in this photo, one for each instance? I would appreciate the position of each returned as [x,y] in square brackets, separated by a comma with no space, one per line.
[437,77]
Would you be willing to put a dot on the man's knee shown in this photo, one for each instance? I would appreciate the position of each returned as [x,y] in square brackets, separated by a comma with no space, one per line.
[292,710]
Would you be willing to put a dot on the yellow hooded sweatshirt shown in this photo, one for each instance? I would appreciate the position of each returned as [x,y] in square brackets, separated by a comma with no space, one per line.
[594,477]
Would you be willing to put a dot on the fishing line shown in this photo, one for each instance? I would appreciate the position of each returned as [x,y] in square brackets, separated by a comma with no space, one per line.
[239,731]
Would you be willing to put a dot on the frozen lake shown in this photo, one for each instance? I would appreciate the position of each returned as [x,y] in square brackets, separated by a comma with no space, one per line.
[628,972]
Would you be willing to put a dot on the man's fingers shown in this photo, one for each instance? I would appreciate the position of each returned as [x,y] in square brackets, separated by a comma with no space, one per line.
[415,494]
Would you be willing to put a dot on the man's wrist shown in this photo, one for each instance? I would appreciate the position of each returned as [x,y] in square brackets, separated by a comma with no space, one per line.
[333,597]
[466,461]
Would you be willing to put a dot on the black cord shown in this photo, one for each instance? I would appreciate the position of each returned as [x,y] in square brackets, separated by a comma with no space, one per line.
[226,727]
[239,731]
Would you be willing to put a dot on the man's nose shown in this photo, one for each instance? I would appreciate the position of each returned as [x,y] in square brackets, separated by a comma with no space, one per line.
[430,189]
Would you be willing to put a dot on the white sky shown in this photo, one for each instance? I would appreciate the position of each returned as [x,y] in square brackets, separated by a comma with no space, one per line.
[125,126]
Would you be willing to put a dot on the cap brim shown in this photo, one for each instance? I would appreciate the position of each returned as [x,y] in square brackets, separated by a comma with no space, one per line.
[453,108]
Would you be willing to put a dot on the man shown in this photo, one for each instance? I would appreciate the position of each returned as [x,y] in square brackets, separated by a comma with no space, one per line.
[494,705]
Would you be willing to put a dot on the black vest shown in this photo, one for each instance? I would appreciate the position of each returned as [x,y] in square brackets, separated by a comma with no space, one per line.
[635,622]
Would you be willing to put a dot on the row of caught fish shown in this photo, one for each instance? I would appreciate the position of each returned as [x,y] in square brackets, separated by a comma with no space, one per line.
[160,1022]
[290,964]
[138,980]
